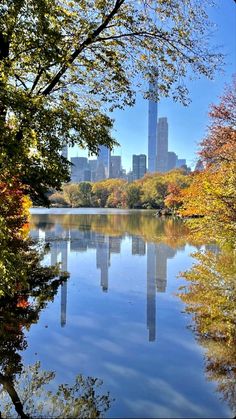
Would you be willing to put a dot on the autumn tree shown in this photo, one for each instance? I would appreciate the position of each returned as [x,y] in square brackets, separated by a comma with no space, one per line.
[209,293]
[212,192]
[133,195]
[220,144]
[154,190]
[117,194]
[76,194]
[65,65]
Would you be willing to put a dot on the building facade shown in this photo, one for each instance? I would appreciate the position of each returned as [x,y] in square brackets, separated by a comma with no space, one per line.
[162,145]
[115,167]
[104,158]
[180,163]
[79,165]
[172,160]
[139,166]
[152,130]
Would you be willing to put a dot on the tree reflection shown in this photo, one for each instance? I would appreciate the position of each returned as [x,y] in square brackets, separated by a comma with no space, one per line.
[32,397]
[31,288]
[210,296]
[171,231]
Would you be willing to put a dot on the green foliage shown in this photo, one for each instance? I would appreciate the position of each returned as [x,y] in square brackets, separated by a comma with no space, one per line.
[77,195]
[64,65]
[133,195]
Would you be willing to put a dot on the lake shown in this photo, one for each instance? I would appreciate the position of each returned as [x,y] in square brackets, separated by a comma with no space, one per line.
[118,317]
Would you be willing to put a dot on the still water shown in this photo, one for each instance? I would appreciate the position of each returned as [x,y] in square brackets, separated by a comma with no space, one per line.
[117,317]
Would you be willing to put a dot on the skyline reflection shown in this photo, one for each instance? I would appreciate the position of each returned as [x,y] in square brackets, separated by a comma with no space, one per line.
[65,240]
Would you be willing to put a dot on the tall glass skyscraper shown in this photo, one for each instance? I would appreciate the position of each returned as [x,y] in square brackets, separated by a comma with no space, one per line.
[104,158]
[152,130]
[162,145]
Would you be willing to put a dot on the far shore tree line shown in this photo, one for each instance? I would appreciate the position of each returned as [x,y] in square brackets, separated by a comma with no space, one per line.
[160,191]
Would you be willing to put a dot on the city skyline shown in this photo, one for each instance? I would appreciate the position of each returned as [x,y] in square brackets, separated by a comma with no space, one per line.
[107,166]
[187,124]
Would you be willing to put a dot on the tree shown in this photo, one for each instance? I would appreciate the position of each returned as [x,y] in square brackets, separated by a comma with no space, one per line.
[220,144]
[174,198]
[117,195]
[85,189]
[71,194]
[212,192]
[64,65]
[100,193]
[133,195]
[154,190]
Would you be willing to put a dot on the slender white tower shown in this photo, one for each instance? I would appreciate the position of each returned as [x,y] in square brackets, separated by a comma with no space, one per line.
[152,130]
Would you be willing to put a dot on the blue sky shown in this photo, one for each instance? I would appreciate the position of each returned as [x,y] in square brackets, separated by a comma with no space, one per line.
[187,125]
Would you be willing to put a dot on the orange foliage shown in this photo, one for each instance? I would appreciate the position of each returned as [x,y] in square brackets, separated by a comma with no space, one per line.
[14,207]
[22,302]
[220,144]
[174,196]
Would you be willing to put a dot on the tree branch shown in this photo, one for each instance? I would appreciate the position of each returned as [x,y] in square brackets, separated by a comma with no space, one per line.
[21,81]
[37,78]
[89,40]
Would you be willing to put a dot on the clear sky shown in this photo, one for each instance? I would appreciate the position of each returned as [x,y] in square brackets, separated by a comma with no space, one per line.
[187,125]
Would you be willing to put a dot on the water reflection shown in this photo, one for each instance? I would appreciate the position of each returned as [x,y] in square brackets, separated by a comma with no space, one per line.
[21,387]
[210,297]
[31,397]
[65,239]
[118,263]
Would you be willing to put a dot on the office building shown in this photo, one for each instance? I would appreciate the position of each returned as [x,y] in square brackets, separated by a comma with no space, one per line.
[104,158]
[79,165]
[92,164]
[100,171]
[152,128]
[162,145]
[172,160]
[115,167]
[87,175]
[139,166]
[180,163]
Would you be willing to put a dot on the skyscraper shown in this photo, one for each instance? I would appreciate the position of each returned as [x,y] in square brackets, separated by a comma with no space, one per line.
[139,166]
[180,163]
[79,165]
[104,157]
[152,129]
[172,160]
[115,167]
[162,145]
